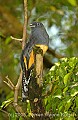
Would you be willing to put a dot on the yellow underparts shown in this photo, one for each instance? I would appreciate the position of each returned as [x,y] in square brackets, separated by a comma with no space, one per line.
[25,61]
[31,60]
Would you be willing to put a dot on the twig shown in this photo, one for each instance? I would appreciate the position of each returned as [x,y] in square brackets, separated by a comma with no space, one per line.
[4,112]
[19,110]
[25,24]
[51,51]
[9,83]
[17,88]
[15,38]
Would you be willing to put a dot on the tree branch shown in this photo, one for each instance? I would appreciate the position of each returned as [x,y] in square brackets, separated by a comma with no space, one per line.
[25,24]
[16,38]
[10,84]
[36,84]
[17,88]
[51,51]
[23,44]
[39,66]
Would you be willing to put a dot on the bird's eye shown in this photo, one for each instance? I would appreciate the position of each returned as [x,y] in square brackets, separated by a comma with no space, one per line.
[38,24]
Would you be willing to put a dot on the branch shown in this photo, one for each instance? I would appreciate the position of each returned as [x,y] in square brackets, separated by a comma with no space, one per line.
[9,83]
[17,88]
[19,110]
[17,107]
[51,51]
[5,112]
[23,44]
[16,38]
[25,24]
[39,66]
[36,84]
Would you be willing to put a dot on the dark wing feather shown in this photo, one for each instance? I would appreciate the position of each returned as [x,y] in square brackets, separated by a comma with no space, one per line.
[40,36]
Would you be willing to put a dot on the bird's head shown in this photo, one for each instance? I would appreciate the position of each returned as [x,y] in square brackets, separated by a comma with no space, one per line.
[36,24]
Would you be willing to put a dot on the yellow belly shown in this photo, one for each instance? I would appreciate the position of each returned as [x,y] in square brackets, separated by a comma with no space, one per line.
[31,60]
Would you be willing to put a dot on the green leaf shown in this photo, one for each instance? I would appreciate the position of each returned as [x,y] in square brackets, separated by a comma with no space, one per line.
[7,102]
[66,78]
[70,118]
[74,92]
[68,104]
[20,118]
[13,115]
[46,100]
[76,102]
[8,40]
[65,89]
[73,2]
[61,106]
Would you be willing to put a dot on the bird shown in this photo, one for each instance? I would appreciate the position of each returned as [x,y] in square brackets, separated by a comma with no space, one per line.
[40,38]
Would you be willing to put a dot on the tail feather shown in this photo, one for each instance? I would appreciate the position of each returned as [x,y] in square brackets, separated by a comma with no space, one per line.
[25,86]
[26,77]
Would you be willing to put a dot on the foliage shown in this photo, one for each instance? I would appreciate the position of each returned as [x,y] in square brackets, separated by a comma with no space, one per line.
[61,87]
[60,91]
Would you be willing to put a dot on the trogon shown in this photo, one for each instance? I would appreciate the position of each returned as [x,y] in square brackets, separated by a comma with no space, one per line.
[40,38]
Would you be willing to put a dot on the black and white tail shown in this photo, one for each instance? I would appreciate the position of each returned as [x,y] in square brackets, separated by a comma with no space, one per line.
[25,85]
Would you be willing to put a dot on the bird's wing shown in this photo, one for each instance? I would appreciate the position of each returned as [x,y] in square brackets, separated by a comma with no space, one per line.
[26,62]
[40,36]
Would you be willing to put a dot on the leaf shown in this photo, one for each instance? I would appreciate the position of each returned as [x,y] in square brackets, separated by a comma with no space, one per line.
[61,106]
[68,104]
[73,2]
[66,78]
[7,102]
[20,118]
[8,40]
[76,102]
[65,89]
[13,115]
[74,92]
[58,96]
[70,118]
[46,100]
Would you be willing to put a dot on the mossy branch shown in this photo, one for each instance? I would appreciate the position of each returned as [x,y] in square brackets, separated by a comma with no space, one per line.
[35,90]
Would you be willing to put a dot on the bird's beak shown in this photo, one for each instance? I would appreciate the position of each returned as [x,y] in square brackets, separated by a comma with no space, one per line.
[31,25]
